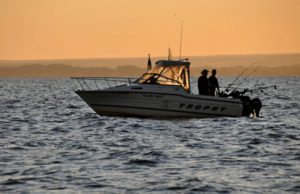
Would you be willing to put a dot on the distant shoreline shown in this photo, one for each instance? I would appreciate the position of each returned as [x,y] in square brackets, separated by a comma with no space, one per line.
[61,71]
[271,60]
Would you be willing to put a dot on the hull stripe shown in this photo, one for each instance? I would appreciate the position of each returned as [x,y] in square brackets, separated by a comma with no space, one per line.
[219,115]
[219,99]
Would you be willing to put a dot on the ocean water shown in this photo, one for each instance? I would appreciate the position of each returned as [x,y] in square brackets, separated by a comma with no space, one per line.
[52,142]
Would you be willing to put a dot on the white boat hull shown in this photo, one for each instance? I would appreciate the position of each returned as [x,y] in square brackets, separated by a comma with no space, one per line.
[125,103]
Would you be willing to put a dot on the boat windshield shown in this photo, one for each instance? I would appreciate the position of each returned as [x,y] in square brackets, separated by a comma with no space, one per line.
[168,73]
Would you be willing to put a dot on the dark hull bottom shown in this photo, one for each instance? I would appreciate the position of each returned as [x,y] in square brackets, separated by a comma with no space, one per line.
[142,113]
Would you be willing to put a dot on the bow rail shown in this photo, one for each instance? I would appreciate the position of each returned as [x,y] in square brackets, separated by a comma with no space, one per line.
[98,83]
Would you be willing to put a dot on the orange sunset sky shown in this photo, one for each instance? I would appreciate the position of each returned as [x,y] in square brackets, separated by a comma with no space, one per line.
[58,29]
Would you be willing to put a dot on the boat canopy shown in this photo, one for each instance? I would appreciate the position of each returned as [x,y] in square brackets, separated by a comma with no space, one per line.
[168,73]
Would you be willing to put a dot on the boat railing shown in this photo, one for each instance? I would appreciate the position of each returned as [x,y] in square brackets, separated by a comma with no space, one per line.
[99,83]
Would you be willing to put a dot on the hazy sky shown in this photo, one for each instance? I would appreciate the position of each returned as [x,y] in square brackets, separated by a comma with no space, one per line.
[56,29]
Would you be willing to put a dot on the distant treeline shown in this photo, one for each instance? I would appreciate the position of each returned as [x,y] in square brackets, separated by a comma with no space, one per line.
[58,70]
[271,60]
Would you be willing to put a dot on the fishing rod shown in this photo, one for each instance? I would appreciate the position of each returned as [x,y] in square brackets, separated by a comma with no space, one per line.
[256,83]
[236,94]
[247,77]
[239,76]
[261,88]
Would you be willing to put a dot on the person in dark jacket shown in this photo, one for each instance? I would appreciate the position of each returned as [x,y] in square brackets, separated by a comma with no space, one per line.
[203,84]
[213,83]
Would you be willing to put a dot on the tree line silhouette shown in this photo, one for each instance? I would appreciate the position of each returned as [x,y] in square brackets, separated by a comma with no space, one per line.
[60,71]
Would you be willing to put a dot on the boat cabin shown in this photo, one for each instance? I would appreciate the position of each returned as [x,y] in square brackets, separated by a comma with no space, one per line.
[175,73]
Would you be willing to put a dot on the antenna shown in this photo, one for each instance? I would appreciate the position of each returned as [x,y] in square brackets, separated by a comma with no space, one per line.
[170,54]
[180,41]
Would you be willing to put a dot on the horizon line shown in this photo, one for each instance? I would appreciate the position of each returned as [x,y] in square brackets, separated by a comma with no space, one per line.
[145,57]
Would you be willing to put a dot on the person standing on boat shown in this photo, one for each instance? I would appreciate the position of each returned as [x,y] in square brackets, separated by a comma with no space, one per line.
[213,83]
[203,84]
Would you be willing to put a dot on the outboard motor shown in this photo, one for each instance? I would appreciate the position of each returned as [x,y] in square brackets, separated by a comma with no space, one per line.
[250,106]
[256,106]
[246,105]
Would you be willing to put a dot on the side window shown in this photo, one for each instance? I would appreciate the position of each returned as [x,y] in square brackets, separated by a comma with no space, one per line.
[183,78]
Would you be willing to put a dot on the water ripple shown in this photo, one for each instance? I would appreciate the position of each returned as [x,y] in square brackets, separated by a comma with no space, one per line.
[51,141]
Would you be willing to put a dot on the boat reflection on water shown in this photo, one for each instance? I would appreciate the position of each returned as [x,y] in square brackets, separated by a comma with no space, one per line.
[164,91]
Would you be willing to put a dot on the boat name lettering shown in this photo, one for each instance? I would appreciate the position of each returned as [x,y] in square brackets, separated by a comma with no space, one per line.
[152,96]
[125,93]
[199,107]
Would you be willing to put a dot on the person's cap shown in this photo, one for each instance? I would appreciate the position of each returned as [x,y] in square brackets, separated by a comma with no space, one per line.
[204,71]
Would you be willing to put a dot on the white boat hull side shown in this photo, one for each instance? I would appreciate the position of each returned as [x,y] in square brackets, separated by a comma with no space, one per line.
[154,104]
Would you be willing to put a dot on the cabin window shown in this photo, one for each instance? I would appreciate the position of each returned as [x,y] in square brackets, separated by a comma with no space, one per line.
[167,73]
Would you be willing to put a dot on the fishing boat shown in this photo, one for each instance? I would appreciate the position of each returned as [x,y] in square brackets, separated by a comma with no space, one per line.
[163,91]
